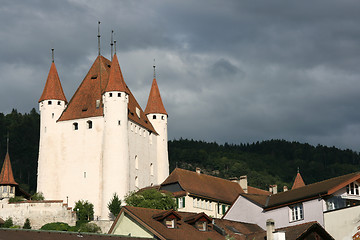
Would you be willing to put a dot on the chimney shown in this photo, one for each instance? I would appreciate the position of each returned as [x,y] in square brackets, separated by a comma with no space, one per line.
[244,183]
[273,189]
[270,229]
[198,170]
[285,188]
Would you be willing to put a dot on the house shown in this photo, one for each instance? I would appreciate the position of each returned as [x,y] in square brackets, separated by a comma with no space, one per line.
[101,141]
[176,225]
[197,192]
[333,203]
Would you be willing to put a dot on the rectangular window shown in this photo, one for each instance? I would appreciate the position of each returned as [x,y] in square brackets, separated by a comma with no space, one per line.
[180,202]
[170,223]
[223,209]
[296,212]
[194,202]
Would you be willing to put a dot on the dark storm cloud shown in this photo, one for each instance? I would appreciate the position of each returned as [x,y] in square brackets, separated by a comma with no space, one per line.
[229,71]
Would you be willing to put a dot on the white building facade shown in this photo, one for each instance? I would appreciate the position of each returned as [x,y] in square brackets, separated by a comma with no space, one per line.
[101,142]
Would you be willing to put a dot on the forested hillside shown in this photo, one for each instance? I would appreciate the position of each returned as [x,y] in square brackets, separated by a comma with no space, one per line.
[267,162]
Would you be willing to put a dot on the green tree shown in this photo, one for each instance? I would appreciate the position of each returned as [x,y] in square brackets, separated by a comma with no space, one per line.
[8,223]
[84,211]
[27,224]
[56,226]
[150,199]
[90,227]
[37,196]
[114,205]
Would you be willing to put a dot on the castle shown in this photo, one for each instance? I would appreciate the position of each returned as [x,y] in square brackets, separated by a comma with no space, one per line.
[101,142]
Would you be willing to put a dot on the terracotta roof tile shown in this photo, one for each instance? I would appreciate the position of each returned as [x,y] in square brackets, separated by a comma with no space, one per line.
[203,185]
[6,175]
[53,89]
[116,80]
[253,190]
[155,104]
[83,103]
[237,230]
[299,182]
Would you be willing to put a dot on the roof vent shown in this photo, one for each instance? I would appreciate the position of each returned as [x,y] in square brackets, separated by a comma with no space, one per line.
[138,112]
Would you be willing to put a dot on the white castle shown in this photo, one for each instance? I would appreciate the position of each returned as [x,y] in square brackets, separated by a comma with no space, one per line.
[101,142]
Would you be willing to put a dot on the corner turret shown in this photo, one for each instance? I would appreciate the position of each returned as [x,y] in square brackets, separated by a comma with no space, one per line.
[115,166]
[7,181]
[157,115]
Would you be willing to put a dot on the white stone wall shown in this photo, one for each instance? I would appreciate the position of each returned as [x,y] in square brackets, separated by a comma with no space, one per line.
[38,212]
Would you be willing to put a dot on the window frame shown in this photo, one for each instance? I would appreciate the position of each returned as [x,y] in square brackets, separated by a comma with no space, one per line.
[296,212]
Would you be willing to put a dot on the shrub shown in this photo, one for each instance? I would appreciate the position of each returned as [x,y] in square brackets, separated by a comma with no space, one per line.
[8,223]
[57,226]
[90,227]
[16,199]
[27,224]
[84,210]
[37,196]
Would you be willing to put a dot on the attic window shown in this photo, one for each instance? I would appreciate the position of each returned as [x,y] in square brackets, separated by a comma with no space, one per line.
[170,223]
[89,124]
[59,103]
[110,94]
[75,126]
[201,225]
[119,94]
[94,77]
[49,102]
[97,103]
[138,112]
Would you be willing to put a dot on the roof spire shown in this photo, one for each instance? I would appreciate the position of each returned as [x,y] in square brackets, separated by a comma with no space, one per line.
[99,36]
[155,104]
[154,69]
[116,80]
[6,174]
[52,54]
[112,43]
[298,182]
[115,45]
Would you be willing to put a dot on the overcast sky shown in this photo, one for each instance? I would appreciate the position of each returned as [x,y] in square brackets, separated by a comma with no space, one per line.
[228,71]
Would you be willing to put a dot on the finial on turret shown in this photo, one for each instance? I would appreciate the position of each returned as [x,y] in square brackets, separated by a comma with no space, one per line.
[99,36]
[115,46]
[112,43]
[52,55]
[154,66]
[298,169]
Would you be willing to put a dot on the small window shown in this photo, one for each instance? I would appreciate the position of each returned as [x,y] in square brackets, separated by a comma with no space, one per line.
[52,115]
[119,94]
[97,103]
[110,94]
[84,174]
[296,212]
[11,189]
[89,124]
[170,223]
[59,103]
[136,181]
[119,122]
[4,189]
[181,202]
[202,226]
[136,162]
[151,169]
[162,117]
[353,189]
[154,116]
[49,102]
[137,112]
[75,126]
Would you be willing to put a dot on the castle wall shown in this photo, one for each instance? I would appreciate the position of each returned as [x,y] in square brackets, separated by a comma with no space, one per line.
[38,212]
[142,157]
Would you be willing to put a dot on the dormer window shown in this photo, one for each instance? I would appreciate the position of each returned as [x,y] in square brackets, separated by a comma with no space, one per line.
[200,221]
[353,189]
[201,226]
[168,218]
[170,223]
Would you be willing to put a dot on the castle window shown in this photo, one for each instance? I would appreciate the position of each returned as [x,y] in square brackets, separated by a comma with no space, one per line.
[119,94]
[59,103]
[52,115]
[137,112]
[49,102]
[119,122]
[162,117]
[144,133]
[89,124]
[110,94]
[154,116]
[136,162]
[151,169]
[75,126]
[136,181]
[84,174]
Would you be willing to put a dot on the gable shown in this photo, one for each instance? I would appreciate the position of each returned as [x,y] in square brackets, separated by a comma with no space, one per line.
[127,225]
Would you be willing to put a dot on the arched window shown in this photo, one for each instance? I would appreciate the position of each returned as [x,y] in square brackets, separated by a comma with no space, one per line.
[154,116]
[151,169]
[89,124]
[136,181]
[136,162]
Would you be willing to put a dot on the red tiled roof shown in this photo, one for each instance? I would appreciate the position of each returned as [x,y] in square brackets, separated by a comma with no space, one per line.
[53,89]
[184,229]
[296,232]
[6,175]
[203,185]
[299,182]
[253,190]
[83,103]
[155,104]
[116,80]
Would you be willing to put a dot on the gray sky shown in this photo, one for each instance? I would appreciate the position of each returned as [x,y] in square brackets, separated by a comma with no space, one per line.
[228,71]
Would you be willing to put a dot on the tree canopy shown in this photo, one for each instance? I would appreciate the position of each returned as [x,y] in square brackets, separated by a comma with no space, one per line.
[150,198]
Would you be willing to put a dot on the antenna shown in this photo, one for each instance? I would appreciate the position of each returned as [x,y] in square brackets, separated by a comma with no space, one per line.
[99,36]
[52,54]
[154,69]
[112,43]
[115,45]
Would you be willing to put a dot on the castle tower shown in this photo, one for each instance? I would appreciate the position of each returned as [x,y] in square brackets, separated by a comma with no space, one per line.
[7,181]
[115,163]
[157,115]
[51,104]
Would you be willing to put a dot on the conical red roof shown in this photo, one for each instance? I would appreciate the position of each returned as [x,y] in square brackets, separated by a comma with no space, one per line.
[6,175]
[116,80]
[155,104]
[299,182]
[53,89]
